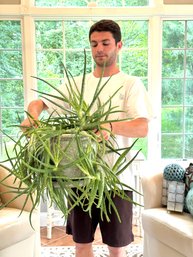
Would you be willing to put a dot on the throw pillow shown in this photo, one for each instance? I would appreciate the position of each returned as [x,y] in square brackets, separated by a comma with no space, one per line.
[189,201]
[175,200]
[174,172]
[164,192]
[189,177]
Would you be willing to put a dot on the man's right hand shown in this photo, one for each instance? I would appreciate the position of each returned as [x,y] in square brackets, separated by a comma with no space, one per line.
[34,110]
[28,123]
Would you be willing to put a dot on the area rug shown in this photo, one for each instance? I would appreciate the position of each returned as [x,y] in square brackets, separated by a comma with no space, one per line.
[133,250]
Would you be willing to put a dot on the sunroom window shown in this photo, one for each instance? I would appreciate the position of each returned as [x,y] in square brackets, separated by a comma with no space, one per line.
[11,80]
[177,89]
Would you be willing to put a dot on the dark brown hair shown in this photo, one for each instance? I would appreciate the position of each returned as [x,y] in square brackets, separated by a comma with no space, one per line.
[107,25]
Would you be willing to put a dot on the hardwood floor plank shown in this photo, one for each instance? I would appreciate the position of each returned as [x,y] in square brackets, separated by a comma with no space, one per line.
[60,238]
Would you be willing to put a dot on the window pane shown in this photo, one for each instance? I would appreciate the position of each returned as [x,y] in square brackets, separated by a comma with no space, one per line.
[55,3]
[11,83]
[10,34]
[76,34]
[134,33]
[188,146]
[172,120]
[49,34]
[172,146]
[100,3]
[10,118]
[10,64]
[177,93]
[9,145]
[189,119]
[189,92]
[133,67]
[190,34]
[135,47]
[173,34]
[173,63]
[117,3]
[50,64]
[12,92]
[189,62]
[141,144]
[172,92]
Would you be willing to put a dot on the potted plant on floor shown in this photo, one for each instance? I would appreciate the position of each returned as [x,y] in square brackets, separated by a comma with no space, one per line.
[62,153]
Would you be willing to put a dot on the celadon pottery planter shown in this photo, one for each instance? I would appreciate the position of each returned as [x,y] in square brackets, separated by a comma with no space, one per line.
[73,151]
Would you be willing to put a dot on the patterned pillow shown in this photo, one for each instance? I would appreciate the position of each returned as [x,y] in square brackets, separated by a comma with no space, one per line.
[189,177]
[174,172]
[189,201]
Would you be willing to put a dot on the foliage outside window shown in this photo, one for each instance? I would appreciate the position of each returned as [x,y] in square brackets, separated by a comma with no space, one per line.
[177,89]
[11,78]
[98,3]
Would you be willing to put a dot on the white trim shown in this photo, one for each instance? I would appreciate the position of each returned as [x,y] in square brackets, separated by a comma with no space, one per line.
[29,59]
[156,9]
[154,88]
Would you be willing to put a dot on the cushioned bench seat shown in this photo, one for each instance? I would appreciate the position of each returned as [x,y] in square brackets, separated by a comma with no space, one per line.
[17,237]
[172,229]
[166,234]
[11,225]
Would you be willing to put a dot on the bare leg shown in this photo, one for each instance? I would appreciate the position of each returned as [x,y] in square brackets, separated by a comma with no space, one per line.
[117,251]
[83,250]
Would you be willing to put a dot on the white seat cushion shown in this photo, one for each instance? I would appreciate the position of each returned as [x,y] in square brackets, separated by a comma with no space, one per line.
[14,227]
[173,229]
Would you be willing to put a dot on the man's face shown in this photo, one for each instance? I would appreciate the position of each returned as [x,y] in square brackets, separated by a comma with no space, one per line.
[104,48]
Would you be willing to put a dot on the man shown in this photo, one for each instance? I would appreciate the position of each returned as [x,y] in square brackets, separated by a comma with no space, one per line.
[105,42]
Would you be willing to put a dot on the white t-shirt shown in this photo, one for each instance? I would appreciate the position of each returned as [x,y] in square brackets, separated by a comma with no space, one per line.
[132,99]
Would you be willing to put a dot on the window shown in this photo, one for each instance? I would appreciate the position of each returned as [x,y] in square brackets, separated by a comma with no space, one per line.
[61,43]
[98,3]
[11,78]
[177,89]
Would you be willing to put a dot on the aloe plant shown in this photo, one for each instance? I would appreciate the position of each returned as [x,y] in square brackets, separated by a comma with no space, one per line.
[44,165]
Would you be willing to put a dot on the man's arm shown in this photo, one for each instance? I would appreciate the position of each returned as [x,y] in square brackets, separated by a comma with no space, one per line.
[132,128]
[35,108]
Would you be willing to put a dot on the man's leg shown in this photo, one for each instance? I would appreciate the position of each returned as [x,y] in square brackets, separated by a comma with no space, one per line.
[117,251]
[118,234]
[84,250]
[82,228]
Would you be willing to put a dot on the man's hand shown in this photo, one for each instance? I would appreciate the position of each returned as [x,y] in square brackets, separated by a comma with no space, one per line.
[105,131]
[28,123]
[34,110]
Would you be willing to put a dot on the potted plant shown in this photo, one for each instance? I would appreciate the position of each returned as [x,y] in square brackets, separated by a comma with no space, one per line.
[62,153]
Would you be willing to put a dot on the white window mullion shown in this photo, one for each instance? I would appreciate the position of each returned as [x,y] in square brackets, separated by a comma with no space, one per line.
[155,68]
[29,59]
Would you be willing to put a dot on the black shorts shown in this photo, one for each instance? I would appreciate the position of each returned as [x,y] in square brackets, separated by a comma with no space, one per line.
[114,233]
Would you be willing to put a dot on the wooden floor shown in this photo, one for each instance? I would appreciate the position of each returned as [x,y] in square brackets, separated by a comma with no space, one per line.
[60,238]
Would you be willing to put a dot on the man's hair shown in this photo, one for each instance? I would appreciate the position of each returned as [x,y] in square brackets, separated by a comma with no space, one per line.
[108,26]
